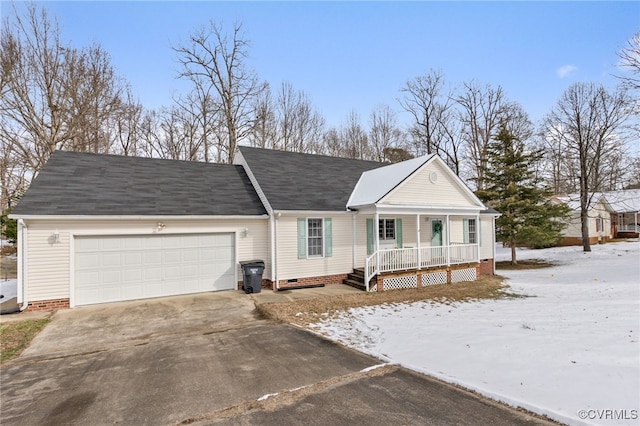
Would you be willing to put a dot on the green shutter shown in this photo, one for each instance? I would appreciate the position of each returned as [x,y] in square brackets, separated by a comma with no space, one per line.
[302,238]
[399,233]
[328,238]
[465,230]
[369,236]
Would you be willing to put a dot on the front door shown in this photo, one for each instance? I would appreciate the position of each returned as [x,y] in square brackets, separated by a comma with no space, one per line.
[436,238]
[387,234]
[436,232]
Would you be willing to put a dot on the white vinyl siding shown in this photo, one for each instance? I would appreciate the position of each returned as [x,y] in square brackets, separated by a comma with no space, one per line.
[574,228]
[487,237]
[419,190]
[49,264]
[291,266]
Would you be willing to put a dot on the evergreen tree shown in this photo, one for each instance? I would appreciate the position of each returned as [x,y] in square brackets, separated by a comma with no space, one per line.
[528,216]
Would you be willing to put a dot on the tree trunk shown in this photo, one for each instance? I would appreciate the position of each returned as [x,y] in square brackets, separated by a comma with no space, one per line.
[514,261]
[584,219]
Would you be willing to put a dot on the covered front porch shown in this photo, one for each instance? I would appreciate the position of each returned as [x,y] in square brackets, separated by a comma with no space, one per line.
[424,248]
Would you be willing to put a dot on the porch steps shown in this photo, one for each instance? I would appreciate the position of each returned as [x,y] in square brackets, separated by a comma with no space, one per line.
[356,279]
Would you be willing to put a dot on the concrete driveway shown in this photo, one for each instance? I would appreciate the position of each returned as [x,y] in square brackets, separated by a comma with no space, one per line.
[211,359]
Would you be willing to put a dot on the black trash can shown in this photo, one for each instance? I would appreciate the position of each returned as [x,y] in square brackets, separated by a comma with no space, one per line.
[252,273]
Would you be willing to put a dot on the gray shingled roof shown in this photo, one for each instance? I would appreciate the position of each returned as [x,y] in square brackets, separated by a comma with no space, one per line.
[294,181]
[73,183]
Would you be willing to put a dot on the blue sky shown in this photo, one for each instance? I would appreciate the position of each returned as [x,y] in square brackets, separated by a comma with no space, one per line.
[356,55]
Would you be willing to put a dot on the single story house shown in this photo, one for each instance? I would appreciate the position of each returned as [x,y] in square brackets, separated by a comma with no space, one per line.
[599,220]
[98,228]
[612,214]
[625,211]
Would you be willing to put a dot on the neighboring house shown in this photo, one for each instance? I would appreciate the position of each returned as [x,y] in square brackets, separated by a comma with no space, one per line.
[102,228]
[599,221]
[612,214]
[625,209]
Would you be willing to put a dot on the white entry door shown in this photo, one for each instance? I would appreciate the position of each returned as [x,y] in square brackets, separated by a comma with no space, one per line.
[117,268]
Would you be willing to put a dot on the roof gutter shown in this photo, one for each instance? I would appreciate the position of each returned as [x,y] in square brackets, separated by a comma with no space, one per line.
[22,265]
[135,217]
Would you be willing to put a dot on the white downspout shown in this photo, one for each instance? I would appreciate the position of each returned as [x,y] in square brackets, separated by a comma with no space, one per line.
[478,237]
[419,257]
[22,265]
[353,241]
[493,243]
[275,250]
[272,249]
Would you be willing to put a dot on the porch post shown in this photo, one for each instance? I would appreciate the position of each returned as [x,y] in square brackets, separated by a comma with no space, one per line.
[447,219]
[376,238]
[478,228]
[418,240]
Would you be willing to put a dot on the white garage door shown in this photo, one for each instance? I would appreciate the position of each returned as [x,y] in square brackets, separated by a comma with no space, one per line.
[115,268]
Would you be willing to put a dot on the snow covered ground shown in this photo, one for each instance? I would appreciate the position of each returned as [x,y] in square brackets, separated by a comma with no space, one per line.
[8,288]
[570,350]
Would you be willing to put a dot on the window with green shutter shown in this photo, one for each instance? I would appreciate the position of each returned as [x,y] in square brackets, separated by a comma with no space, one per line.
[315,237]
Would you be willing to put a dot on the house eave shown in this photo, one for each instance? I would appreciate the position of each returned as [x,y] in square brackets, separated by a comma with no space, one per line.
[418,209]
[135,217]
[313,212]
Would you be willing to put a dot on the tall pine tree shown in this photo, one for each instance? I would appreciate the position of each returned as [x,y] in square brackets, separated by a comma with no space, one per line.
[528,216]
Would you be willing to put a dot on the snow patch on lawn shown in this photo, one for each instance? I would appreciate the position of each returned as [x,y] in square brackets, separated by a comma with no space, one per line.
[8,288]
[572,344]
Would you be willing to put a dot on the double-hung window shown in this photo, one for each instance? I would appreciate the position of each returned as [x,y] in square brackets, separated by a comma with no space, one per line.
[314,237]
[387,229]
[471,231]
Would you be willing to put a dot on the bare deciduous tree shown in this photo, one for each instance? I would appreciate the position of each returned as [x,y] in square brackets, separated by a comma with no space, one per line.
[126,127]
[354,138]
[585,122]
[299,126]
[213,58]
[384,132]
[482,109]
[630,61]
[264,132]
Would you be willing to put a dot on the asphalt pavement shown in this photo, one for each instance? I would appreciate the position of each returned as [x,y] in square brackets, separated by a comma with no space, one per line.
[211,359]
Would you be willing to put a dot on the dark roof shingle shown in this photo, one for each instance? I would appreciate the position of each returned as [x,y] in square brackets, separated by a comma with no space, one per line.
[295,181]
[74,183]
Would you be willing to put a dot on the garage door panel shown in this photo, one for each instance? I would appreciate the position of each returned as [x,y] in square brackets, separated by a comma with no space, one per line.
[133,276]
[133,258]
[111,260]
[113,243]
[152,243]
[153,257]
[114,268]
[87,261]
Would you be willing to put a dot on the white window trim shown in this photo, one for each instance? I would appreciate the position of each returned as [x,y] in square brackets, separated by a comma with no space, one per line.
[322,248]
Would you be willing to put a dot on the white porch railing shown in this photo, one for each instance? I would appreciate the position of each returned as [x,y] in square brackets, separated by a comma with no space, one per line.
[629,228]
[418,258]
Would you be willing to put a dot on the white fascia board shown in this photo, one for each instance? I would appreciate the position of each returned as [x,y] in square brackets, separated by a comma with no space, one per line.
[239,160]
[312,212]
[134,217]
[425,210]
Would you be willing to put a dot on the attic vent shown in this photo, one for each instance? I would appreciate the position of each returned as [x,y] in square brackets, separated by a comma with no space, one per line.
[433,177]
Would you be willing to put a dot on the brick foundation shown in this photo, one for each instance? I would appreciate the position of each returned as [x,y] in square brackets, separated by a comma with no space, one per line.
[577,241]
[310,281]
[48,305]
[486,267]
